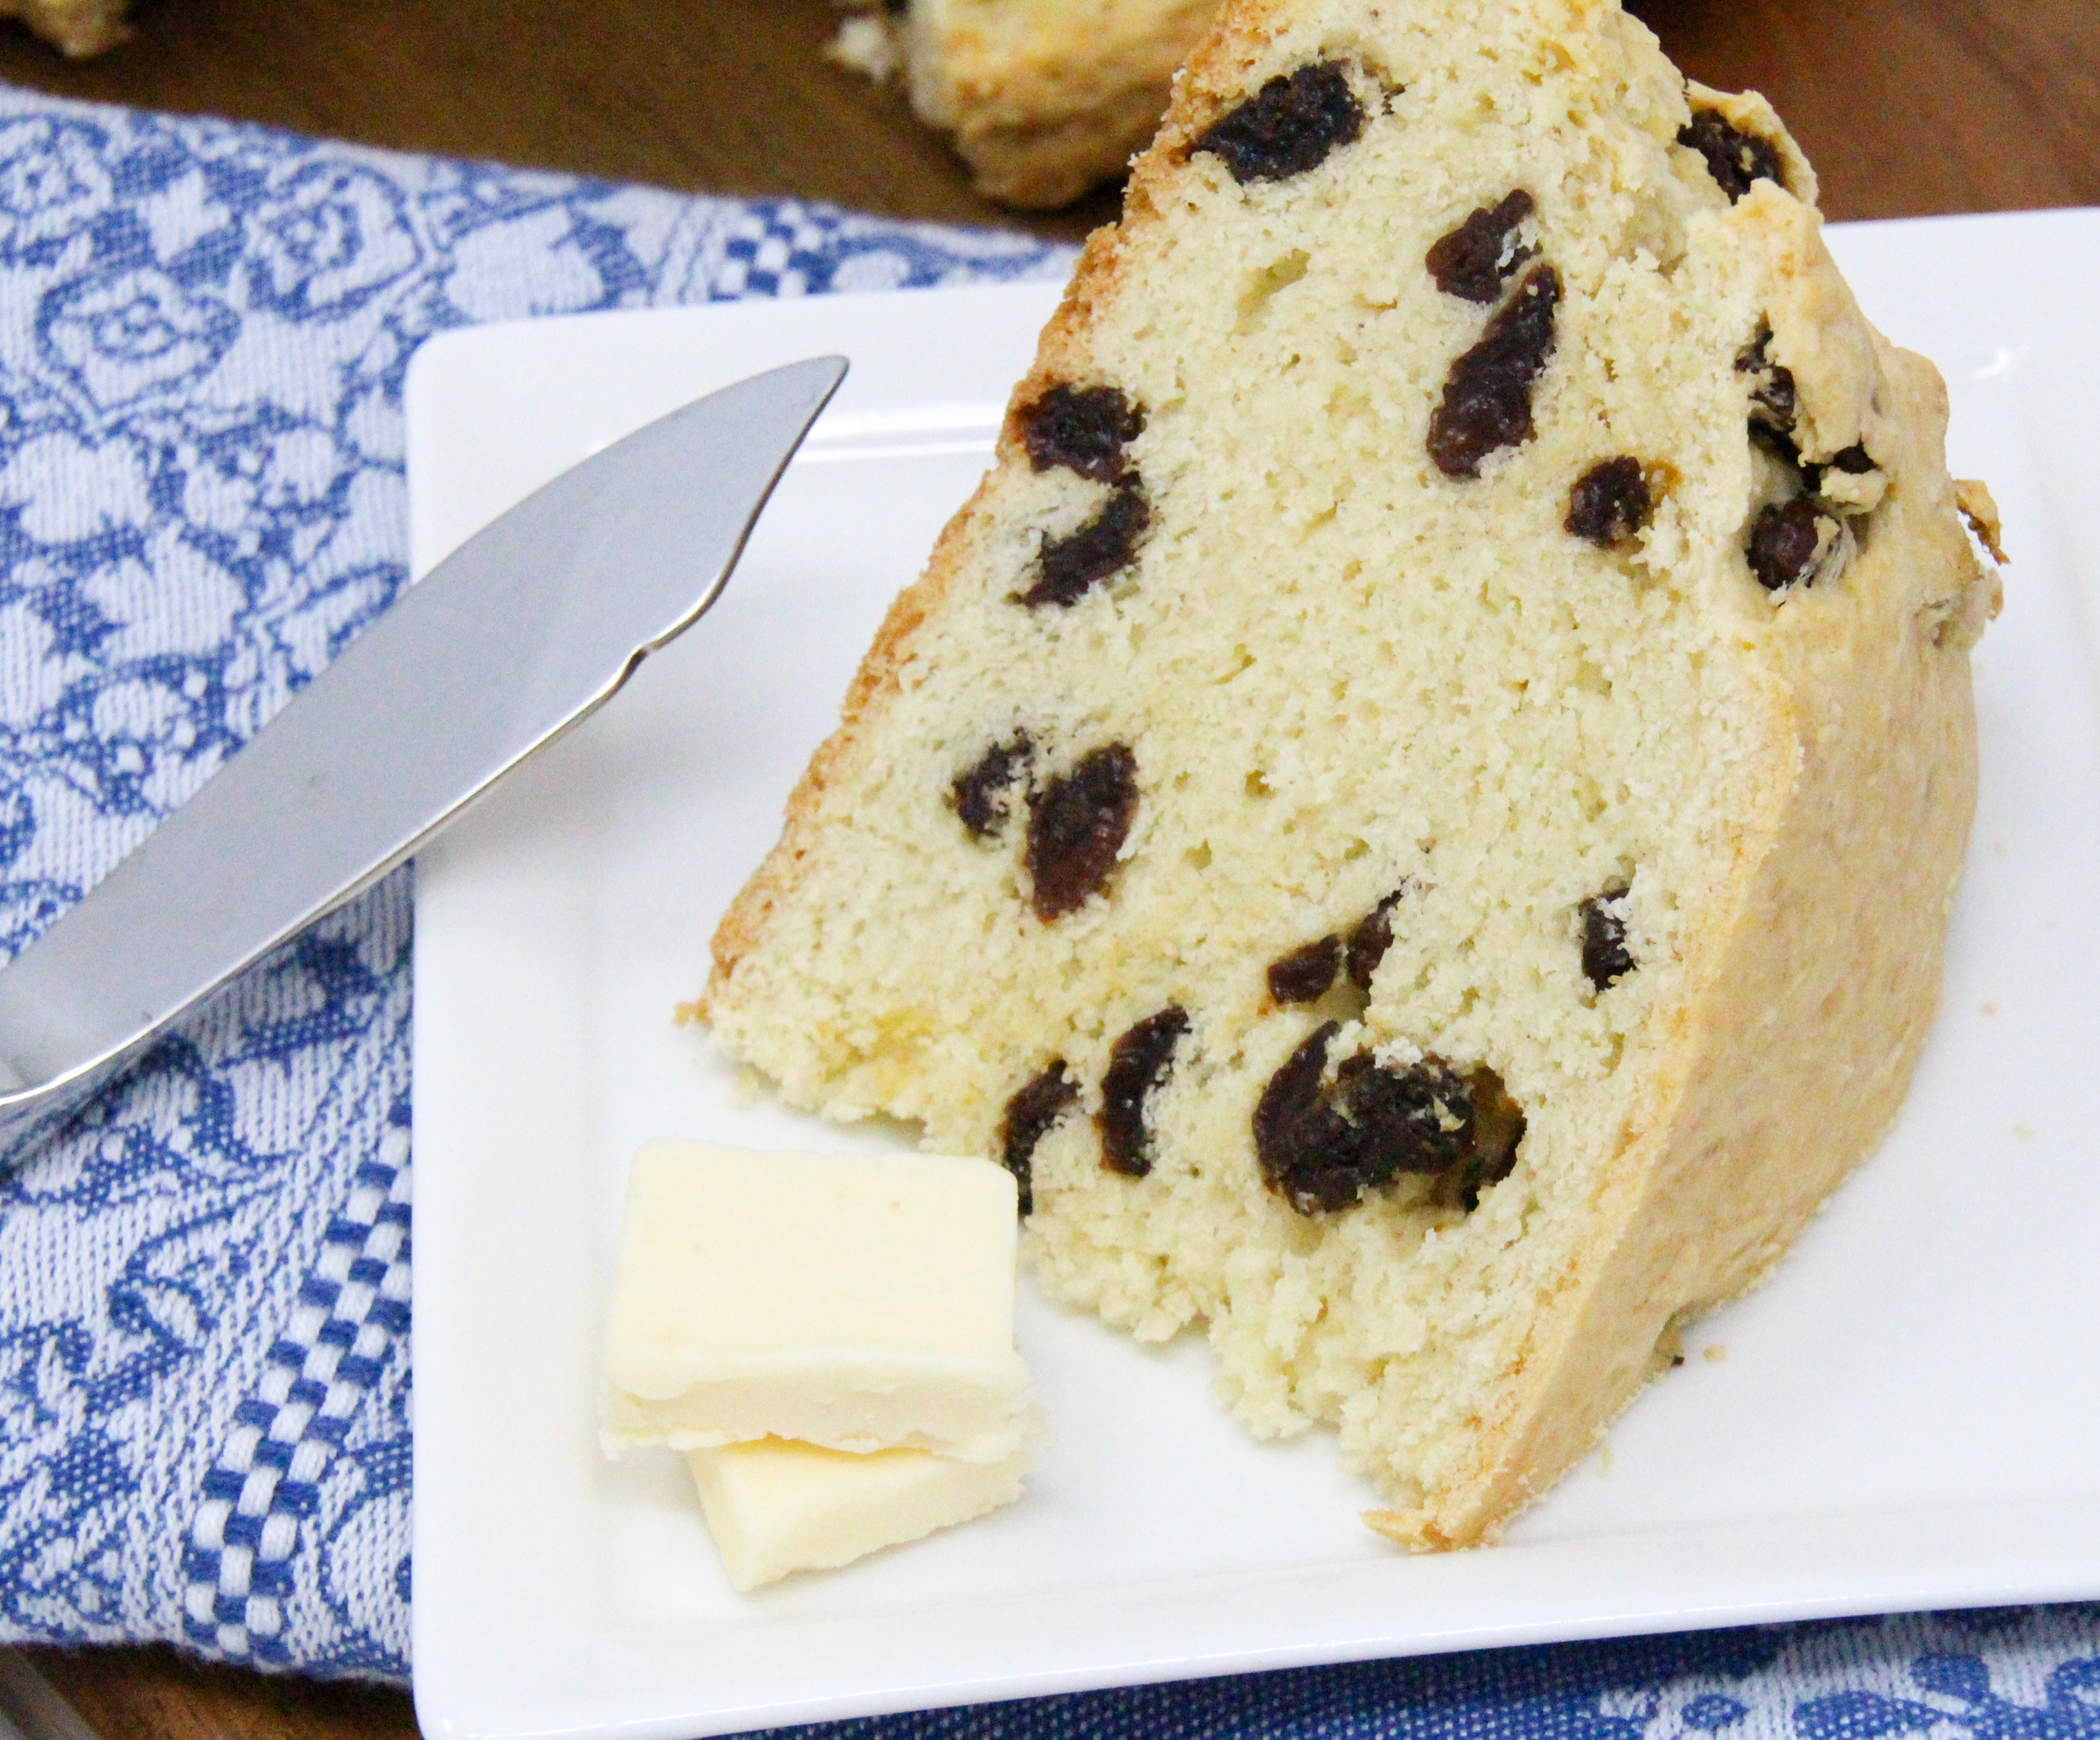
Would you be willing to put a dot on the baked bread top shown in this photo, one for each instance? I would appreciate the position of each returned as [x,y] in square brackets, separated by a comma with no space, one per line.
[1045,99]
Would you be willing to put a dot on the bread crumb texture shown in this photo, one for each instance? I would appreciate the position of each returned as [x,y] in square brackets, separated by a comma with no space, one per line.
[1418,805]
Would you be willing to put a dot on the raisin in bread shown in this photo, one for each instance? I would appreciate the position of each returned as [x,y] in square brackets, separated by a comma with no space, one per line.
[1043,99]
[1417,807]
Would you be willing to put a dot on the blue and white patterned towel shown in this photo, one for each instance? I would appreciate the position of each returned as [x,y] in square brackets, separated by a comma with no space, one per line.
[204,1376]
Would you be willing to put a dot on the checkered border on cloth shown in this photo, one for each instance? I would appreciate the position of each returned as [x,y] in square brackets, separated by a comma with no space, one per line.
[237,1567]
[779,251]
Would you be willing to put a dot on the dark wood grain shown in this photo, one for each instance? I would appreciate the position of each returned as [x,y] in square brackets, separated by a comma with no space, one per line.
[1907,107]
[155,1694]
[724,96]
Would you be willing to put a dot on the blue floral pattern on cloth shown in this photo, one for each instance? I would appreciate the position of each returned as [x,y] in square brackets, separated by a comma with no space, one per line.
[204,1300]
[204,328]
[2020,1673]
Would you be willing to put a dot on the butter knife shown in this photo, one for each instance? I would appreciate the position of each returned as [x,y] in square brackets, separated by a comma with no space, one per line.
[528,627]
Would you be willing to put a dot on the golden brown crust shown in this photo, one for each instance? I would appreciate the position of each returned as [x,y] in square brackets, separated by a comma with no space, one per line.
[742,925]
[1748,112]
[1039,166]
[1973,496]
[1816,326]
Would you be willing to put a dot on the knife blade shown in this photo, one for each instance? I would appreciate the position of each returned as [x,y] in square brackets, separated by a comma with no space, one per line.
[522,632]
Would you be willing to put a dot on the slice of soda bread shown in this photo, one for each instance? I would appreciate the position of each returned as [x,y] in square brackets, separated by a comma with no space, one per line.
[1417,807]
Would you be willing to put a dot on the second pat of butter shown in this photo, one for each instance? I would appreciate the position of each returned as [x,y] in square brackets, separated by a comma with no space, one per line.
[775,1507]
[857,1301]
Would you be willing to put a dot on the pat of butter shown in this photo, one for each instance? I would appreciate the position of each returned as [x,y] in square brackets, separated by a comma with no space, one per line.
[775,1507]
[860,1302]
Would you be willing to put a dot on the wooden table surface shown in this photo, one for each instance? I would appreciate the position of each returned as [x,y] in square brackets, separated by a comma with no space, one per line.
[1907,107]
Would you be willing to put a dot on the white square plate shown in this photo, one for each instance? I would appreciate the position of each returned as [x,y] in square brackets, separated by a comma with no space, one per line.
[1904,1419]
